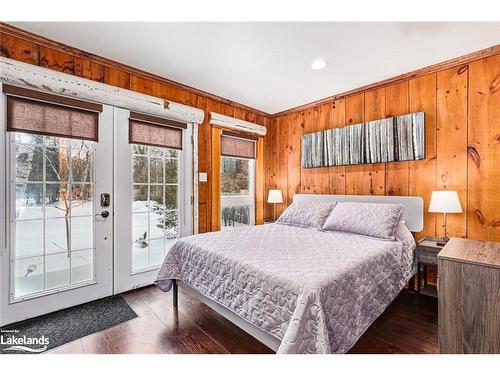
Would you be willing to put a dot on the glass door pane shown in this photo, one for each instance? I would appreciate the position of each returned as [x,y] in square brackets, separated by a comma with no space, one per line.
[155,204]
[53,223]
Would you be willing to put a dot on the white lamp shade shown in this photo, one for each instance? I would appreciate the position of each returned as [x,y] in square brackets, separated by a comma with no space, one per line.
[445,201]
[275,196]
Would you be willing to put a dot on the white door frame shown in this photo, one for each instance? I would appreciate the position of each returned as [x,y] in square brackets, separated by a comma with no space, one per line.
[124,278]
[102,286]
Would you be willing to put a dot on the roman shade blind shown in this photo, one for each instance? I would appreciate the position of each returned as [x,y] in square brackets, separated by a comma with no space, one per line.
[155,131]
[238,145]
[37,112]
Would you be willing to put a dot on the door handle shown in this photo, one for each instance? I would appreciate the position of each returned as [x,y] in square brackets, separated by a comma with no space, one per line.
[104,214]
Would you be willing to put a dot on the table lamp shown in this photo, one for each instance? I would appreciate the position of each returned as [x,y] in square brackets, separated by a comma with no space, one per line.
[274,197]
[446,202]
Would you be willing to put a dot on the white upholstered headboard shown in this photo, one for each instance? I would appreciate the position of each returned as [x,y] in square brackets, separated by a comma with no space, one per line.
[413,215]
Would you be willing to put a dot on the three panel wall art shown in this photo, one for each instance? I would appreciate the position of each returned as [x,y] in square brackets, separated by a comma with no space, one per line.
[392,139]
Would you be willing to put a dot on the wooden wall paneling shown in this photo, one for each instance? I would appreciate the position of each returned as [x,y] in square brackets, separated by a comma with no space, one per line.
[164,91]
[150,87]
[337,174]
[321,176]
[374,176]
[116,77]
[270,164]
[215,180]
[183,97]
[240,113]
[203,217]
[142,85]
[204,153]
[212,106]
[180,96]
[259,182]
[451,166]
[226,109]
[193,98]
[294,121]
[354,174]
[483,210]
[168,92]
[309,124]
[397,174]
[88,69]
[19,49]
[423,172]
[324,117]
[253,117]
[282,160]
[452,142]
[56,60]
[267,160]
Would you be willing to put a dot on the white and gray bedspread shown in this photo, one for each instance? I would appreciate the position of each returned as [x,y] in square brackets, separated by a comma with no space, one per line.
[315,291]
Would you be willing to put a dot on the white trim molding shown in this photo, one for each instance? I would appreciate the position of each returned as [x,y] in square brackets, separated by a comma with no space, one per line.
[195,199]
[38,78]
[236,124]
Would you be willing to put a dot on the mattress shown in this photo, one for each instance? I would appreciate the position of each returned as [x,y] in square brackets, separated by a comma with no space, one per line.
[317,292]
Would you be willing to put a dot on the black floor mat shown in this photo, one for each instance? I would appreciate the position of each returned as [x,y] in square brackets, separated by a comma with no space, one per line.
[51,330]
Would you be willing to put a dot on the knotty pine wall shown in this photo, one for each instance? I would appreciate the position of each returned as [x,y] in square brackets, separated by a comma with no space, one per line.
[461,103]
[462,114]
[30,48]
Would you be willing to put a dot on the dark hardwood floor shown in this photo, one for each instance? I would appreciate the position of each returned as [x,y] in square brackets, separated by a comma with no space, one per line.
[408,325]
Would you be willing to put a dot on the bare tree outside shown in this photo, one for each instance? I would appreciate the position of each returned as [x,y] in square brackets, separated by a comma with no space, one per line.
[63,166]
[54,179]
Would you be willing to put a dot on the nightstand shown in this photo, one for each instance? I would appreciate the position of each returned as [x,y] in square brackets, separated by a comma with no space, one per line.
[469,303]
[427,251]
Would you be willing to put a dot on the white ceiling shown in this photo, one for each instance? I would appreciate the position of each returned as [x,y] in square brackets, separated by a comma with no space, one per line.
[267,65]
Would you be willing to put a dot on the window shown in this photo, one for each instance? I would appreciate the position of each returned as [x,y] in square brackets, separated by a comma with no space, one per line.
[155,204]
[53,223]
[237,192]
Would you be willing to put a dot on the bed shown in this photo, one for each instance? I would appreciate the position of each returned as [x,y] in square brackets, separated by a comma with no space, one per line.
[298,290]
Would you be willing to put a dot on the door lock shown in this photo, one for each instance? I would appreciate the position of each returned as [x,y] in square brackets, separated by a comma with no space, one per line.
[105,200]
[104,214]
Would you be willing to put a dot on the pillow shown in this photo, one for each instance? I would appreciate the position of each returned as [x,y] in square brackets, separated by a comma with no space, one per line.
[306,214]
[369,219]
[404,236]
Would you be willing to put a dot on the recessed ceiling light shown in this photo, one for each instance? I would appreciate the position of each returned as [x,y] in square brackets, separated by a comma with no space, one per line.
[318,64]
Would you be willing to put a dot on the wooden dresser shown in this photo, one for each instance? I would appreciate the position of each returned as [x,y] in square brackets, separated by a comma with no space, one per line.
[469,297]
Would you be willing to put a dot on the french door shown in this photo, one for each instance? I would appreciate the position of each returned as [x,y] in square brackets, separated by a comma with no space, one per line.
[153,202]
[59,232]
[85,219]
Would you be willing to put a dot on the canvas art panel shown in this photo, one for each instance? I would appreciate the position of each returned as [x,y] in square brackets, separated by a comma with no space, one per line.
[399,138]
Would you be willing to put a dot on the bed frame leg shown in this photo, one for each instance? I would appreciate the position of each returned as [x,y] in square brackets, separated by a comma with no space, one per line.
[175,294]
